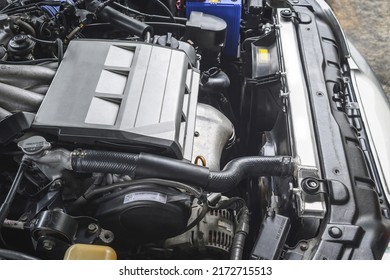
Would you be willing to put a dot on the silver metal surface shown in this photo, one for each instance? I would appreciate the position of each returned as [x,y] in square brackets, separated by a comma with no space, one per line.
[52,163]
[214,233]
[213,130]
[13,224]
[26,76]
[309,206]
[375,111]
[302,134]
[193,79]
[16,99]
[304,146]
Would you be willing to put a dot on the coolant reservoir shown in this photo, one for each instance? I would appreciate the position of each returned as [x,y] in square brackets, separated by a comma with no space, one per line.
[229,11]
[90,252]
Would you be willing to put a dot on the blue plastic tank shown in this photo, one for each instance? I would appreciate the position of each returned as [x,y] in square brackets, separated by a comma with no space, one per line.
[228,10]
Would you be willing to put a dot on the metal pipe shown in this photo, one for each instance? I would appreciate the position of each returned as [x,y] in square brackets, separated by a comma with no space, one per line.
[14,224]
[6,206]
[26,76]
[42,89]
[16,99]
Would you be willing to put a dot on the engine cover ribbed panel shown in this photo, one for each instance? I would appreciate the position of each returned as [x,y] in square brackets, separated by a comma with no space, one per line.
[126,93]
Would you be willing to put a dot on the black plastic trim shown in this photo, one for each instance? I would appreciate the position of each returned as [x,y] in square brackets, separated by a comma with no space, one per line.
[364,232]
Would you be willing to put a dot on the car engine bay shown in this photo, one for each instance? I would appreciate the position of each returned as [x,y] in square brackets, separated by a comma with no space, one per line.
[182,130]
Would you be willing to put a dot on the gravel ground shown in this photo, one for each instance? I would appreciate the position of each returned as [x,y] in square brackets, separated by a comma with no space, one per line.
[367,25]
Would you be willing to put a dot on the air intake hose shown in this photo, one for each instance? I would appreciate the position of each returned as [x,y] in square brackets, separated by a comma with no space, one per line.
[154,166]
[118,19]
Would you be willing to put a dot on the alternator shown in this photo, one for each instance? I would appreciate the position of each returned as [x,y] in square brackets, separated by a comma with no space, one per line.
[213,235]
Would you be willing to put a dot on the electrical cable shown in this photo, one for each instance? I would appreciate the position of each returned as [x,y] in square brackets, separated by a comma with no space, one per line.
[166,9]
[15,255]
[27,8]
[200,217]
[30,62]
[177,19]
[58,42]
[165,24]
[6,206]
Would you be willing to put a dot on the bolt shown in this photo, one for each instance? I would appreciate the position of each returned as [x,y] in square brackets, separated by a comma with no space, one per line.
[337,171]
[304,246]
[48,245]
[57,185]
[310,185]
[286,13]
[335,232]
[24,218]
[106,236]
[20,38]
[92,228]
[196,134]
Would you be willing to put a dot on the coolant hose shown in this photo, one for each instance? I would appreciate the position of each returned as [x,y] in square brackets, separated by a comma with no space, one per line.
[104,162]
[248,167]
[154,166]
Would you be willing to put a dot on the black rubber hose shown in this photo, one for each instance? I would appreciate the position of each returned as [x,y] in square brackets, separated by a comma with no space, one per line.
[24,26]
[14,255]
[148,37]
[104,162]
[248,167]
[153,166]
[240,236]
[120,20]
[166,9]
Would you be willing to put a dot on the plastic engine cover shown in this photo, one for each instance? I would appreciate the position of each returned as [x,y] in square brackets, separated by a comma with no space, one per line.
[139,96]
[144,213]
